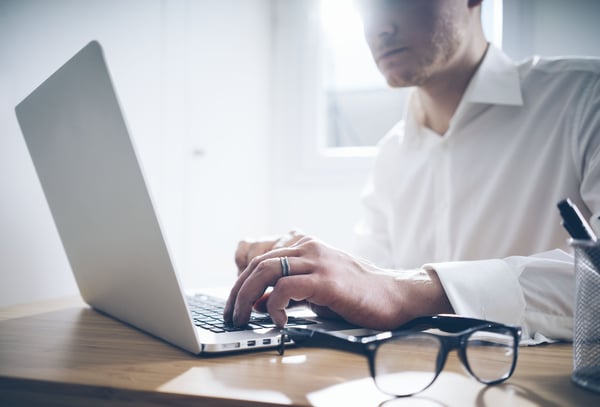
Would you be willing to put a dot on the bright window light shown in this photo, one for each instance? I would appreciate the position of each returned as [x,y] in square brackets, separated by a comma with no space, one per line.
[348,62]
[360,107]
[491,18]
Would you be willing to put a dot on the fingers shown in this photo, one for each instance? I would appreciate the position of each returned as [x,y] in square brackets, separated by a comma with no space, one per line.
[247,254]
[229,305]
[241,254]
[297,287]
[249,249]
[260,305]
[289,239]
[262,272]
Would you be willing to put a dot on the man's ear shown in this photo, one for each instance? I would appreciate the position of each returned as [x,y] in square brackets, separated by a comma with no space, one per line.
[474,3]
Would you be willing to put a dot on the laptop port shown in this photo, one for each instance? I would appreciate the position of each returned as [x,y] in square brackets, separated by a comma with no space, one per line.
[266,341]
[251,343]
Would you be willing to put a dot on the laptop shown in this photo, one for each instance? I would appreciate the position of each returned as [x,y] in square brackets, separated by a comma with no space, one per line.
[88,169]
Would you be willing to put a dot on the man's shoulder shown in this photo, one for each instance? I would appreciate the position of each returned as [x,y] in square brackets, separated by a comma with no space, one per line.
[390,144]
[394,136]
[561,65]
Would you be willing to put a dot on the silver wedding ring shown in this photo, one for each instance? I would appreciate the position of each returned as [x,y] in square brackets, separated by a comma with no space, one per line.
[285,266]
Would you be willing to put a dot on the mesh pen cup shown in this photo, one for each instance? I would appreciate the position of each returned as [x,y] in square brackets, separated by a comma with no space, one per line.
[586,329]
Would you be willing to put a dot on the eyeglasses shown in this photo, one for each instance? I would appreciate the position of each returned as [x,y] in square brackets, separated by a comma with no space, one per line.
[407,360]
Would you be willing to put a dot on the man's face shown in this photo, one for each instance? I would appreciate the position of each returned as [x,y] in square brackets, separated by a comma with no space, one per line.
[412,41]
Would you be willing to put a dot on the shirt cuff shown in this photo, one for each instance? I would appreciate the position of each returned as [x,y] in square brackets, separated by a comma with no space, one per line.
[485,289]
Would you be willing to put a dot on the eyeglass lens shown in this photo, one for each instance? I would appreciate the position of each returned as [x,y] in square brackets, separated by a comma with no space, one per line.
[406,365]
[490,354]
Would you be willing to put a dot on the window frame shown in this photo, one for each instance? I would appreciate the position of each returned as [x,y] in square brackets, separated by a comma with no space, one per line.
[299,97]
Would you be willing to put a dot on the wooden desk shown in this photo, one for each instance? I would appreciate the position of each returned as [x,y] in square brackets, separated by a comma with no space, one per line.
[64,353]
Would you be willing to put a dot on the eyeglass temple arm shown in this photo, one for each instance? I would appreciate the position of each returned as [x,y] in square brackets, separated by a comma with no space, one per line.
[447,323]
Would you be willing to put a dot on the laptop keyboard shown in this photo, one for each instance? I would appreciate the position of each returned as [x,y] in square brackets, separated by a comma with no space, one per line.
[207,313]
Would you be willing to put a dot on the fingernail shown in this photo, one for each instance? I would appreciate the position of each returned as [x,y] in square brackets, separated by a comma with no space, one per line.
[237,319]
[279,320]
[227,314]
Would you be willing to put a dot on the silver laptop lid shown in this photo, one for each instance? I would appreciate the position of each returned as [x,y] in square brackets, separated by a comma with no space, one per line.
[91,178]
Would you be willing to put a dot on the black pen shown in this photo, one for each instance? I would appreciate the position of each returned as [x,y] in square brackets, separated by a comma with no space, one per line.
[574,222]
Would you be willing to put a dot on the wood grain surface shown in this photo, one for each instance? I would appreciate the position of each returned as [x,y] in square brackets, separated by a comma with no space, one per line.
[64,353]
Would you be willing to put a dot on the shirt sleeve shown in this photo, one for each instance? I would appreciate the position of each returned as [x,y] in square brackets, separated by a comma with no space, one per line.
[587,152]
[535,292]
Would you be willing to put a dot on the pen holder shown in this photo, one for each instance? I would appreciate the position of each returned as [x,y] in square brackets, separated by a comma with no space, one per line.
[586,329]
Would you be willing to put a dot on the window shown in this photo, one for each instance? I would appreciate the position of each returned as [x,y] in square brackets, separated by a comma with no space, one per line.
[353,90]
[327,90]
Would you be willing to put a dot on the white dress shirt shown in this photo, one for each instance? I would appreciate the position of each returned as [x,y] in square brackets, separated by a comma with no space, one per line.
[478,204]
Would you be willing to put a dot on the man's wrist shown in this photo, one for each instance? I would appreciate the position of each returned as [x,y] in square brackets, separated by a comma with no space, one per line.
[420,292]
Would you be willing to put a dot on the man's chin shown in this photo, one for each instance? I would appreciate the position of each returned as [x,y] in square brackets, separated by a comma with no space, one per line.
[402,79]
[395,83]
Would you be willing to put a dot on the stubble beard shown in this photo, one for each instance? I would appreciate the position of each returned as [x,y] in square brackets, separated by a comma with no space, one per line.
[442,47]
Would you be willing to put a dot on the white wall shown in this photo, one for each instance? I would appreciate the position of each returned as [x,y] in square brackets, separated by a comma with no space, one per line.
[313,192]
[220,128]
[228,105]
[193,80]
[36,37]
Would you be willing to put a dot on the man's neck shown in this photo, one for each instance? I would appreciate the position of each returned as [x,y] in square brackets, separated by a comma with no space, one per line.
[437,101]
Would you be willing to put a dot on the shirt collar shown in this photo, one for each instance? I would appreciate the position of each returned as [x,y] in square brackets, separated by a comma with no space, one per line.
[496,81]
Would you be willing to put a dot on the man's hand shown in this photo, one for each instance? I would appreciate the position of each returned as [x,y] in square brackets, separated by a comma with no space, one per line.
[248,249]
[334,283]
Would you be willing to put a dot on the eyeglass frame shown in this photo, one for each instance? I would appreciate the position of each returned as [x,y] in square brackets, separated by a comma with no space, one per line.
[461,328]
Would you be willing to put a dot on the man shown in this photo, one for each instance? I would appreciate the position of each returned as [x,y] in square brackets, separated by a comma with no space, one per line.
[464,190]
